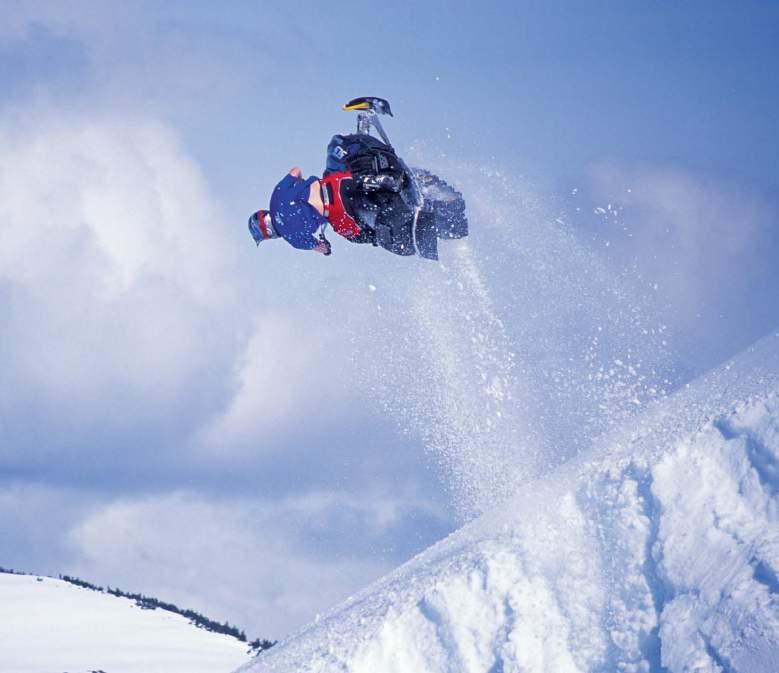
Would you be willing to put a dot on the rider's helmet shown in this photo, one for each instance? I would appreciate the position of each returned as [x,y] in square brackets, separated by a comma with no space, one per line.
[261,226]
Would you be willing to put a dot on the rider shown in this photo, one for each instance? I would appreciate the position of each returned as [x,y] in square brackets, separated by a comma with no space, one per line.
[359,196]
[292,215]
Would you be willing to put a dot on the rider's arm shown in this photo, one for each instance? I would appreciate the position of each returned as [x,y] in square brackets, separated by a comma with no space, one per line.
[302,240]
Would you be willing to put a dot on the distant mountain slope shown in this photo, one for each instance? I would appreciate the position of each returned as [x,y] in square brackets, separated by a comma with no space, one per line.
[52,626]
[656,552]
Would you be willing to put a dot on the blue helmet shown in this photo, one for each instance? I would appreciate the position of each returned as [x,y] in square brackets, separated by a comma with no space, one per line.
[261,226]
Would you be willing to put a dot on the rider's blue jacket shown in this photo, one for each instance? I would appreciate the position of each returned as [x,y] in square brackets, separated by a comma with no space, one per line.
[294,218]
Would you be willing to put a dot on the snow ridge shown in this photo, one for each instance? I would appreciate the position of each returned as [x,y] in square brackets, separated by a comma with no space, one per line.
[49,626]
[658,551]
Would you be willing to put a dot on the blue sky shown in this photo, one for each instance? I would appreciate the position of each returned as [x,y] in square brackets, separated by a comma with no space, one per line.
[235,428]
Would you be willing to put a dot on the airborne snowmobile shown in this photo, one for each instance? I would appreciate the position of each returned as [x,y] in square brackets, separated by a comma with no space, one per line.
[367,195]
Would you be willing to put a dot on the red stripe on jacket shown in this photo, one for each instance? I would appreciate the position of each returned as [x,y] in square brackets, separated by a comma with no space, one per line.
[341,221]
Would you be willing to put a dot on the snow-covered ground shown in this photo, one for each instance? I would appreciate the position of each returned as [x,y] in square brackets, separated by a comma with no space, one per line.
[51,626]
[656,551]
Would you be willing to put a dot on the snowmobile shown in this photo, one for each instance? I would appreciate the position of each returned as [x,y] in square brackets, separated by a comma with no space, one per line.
[408,209]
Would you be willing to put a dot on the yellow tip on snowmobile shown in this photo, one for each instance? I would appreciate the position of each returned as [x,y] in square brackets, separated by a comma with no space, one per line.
[358,106]
[373,103]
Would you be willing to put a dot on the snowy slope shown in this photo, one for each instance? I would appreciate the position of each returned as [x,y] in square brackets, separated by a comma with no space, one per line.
[51,626]
[657,551]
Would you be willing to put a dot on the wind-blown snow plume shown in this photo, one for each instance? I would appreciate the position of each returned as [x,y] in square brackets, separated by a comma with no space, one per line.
[470,406]
[522,349]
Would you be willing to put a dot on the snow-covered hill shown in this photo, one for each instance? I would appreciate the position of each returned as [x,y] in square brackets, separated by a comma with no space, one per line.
[658,551]
[51,626]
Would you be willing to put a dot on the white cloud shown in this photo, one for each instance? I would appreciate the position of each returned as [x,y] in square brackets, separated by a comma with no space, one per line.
[112,256]
[123,186]
[695,226]
[707,247]
[259,563]
[280,377]
[32,520]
